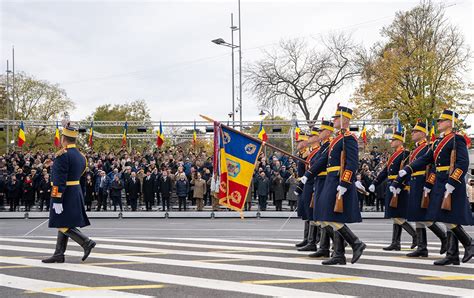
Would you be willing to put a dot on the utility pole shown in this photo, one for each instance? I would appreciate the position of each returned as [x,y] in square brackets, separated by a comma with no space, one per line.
[240,68]
[7,101]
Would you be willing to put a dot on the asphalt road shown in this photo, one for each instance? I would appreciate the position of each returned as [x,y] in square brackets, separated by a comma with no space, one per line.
[214,258]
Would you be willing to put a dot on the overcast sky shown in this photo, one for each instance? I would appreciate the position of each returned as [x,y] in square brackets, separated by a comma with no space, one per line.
[160,51]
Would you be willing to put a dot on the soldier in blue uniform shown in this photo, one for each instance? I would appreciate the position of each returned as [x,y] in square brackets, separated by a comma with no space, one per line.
[67,210]
[399,213]
[325,131]
[420,182]
[305,208]
[450,157]
[340,163]
[303,152]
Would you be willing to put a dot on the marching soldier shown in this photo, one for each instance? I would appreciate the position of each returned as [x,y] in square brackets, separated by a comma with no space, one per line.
[67,203]
[338,202]
[305,209]
[303,152]
[420,183]
[448,202]
[397,211]
[325,131]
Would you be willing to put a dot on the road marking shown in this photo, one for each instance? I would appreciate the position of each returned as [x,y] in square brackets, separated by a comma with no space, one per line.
[221,260]
[298,260]
[113,263]
[131,287]
[38,286]
[375,282]
[182,280]
[453,277]
[299,281]
[15,267]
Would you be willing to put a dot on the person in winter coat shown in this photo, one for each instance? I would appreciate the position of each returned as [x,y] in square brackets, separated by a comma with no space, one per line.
[116,192]
[165,187]
[182,189]
[90,192]
[279,190]
[45,192]
[148,190]
[14,190]
[292,184]
[28,193]
[199,191]
[263,189]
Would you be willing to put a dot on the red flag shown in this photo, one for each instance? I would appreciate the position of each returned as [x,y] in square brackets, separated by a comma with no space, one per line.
[57,142]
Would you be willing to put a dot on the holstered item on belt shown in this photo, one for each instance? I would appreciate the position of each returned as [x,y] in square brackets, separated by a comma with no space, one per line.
[311,204]
[425,201]
[339,204]
[394,201]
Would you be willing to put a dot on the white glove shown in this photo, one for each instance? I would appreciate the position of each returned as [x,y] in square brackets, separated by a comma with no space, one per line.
[58,208]
[296,194]
[341,189]
[449,189]
[304,179]
[392,189]
[426,190]
[402,173]
[372,188]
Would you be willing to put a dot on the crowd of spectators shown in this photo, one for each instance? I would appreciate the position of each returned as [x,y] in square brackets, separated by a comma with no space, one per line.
[174,179]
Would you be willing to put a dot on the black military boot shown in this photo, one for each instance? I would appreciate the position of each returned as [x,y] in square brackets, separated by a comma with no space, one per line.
[355,243]
[58,255]
[311,245]
[323,250]
[421,250]
[81,239]
[396,235]
[452,254]
[466,241]
[338,257]
[441,234]
[305,237]
[407,227]
[318,234]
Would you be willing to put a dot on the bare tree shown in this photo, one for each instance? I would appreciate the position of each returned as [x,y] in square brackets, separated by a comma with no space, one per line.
[296,74]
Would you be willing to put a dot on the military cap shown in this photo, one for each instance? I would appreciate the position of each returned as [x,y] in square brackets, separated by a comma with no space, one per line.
[343,111]
[448,115]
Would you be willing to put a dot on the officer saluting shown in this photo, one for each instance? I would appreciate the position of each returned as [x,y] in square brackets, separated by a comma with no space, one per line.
[396,201]
[420,182]
[450,157]
[340,163]
[67,203]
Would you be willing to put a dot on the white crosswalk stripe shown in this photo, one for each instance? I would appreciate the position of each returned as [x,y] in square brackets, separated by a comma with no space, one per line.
[244,250]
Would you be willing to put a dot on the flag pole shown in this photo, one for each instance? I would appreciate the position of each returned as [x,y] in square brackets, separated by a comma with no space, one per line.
[258,140]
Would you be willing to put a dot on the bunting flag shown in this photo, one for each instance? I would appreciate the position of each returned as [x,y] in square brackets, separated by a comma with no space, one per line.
[363,134]
[124,135]
[432,132]
[57,141]
[91,135]
[194,134]
[237,157]
[21,135]
[160,137]
[297,131]
[262,135]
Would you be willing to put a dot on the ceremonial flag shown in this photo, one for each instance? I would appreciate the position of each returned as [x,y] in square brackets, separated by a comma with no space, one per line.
[297,131]
[194,134]
[57,141]
[21,135]
[160,138]
[399,126]
[91,135]
[237,159]
[262,135]
[124,135]
[363,134]
[432,132]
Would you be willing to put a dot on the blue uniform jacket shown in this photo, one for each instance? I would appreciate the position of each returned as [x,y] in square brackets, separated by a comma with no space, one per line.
[390,172]
[68,167]
[331,163]
[440,156]
[304,209]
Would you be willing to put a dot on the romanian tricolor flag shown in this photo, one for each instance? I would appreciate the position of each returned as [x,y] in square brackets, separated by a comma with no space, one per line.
[237,156]
[297,131]
[91,135]
[363,134]
[160,137]
[262,135]
[194,134]
[21,135]
[57,141]
[124,135]
[432,132]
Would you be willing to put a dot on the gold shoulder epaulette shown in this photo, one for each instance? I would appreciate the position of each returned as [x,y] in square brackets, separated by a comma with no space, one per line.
[60,152]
